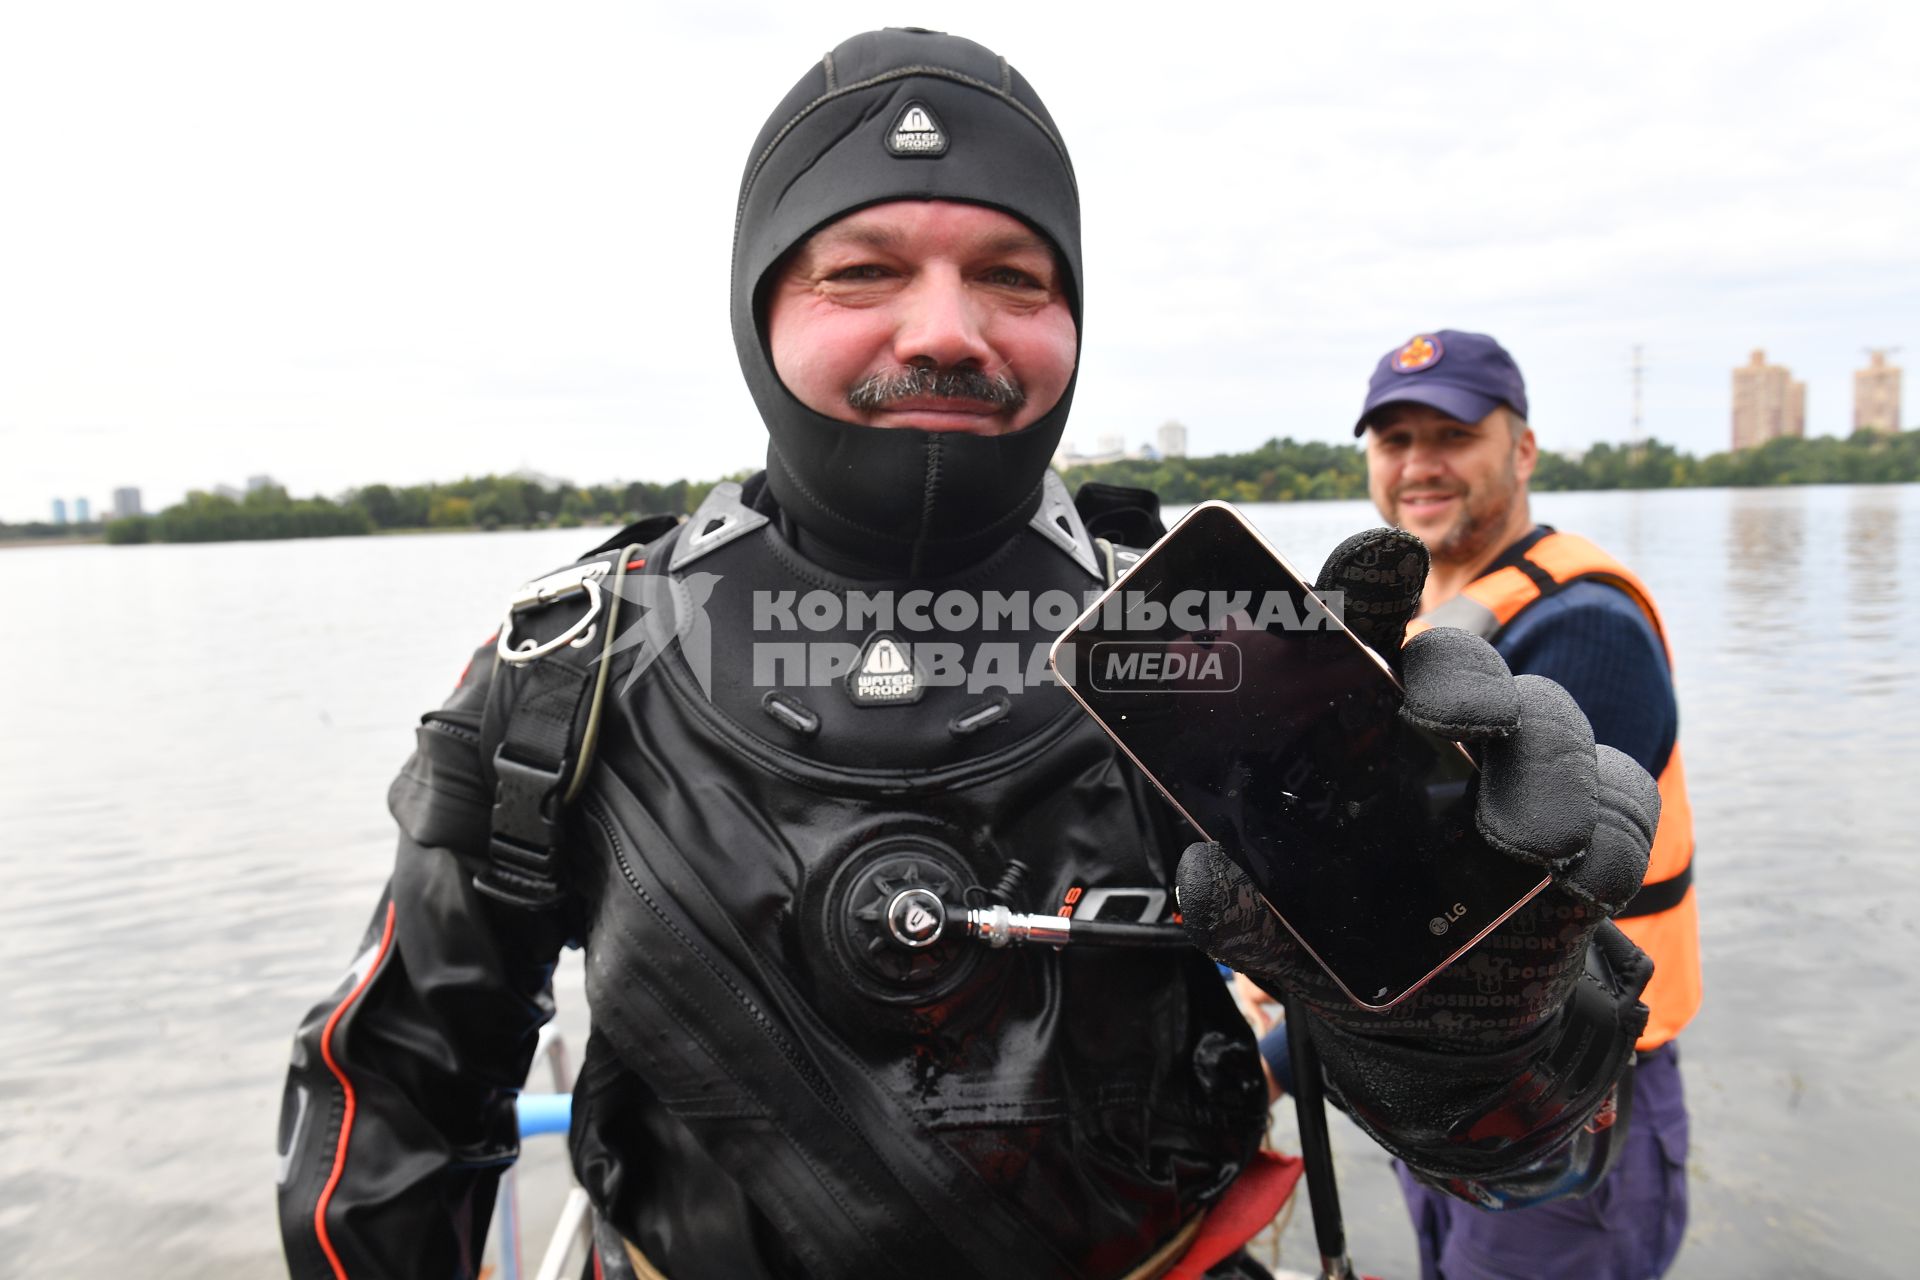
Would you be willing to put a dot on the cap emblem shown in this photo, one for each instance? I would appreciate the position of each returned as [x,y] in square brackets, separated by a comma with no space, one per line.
[1422,352]
[916,131]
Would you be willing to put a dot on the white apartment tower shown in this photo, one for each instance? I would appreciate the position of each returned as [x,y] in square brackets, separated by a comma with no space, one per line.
[1171,440]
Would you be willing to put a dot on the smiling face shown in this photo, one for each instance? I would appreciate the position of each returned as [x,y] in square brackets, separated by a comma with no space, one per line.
[923,313]
[1460,487]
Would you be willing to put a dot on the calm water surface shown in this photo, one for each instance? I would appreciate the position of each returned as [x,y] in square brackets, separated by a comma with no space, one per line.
[198,742]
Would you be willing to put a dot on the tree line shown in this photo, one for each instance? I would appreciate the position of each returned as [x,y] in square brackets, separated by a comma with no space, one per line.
[1281,470]
[1865,457]
[1287,470]
[482,502]
[46,530]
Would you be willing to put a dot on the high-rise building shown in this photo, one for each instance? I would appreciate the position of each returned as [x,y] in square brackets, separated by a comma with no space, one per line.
[256,483]
[1876,393]
[1171,440]
[59,510]
[1767,403]
[126,502]
[82,511]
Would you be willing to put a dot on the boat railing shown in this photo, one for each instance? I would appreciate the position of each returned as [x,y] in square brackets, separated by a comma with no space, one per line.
[545,1113]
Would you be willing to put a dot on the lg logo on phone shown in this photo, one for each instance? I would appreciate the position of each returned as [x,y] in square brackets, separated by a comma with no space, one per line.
[1440,924]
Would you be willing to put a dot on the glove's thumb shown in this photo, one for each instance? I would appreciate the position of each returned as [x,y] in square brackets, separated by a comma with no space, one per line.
[1380,573]
[1629,814]
[1224,913]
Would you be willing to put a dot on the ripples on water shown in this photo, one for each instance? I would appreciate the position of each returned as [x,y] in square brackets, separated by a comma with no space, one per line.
[199,740]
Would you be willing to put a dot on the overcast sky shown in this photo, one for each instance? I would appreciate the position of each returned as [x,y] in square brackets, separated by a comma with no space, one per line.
[402,241]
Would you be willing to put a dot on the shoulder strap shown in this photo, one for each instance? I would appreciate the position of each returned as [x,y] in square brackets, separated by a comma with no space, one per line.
[1115,559]
[1120,513]
[1542,564]
[644,531]
[542,717]
[1121,522]
[1566,558]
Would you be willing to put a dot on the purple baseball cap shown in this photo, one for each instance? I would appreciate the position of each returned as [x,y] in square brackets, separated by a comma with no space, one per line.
[1464,375]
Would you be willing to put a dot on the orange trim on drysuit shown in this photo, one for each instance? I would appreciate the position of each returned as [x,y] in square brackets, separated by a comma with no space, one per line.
[346,1087]
[1671,937]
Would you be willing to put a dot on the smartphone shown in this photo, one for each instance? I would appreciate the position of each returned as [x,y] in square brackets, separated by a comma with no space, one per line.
[1275,731]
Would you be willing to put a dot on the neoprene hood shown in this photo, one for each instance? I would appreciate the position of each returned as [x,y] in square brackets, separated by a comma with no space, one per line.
[847,136]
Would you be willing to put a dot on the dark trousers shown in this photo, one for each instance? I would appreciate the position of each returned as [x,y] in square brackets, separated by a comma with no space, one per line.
[1627,1228]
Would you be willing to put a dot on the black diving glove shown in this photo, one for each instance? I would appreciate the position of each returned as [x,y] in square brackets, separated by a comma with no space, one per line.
[1497,1079]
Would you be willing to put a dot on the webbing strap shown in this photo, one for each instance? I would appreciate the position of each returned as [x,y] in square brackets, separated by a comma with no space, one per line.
[529,770]
[1515,557]
[542,708]
[1658,895]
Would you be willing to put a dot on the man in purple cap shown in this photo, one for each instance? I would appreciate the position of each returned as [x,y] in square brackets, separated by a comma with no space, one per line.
[1449,455]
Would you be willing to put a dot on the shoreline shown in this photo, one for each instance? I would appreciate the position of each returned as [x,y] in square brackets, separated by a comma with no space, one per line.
[90,540]
[97,540]
[100,539]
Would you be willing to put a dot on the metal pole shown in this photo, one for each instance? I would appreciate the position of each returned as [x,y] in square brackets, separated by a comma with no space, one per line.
[1323,1193]
[1639,435]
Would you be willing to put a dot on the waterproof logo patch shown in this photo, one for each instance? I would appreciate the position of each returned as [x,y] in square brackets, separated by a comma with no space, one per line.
[884,675]
[1422,352]
[916,131]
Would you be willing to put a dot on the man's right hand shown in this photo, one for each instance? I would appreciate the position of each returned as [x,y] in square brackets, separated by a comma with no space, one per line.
[1442,1066]
[1548,797]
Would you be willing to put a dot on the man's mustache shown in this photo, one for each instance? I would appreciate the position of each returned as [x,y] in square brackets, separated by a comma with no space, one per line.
[880,390]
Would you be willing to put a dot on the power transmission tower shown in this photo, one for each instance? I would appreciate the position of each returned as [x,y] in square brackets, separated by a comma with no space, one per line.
[1639,370]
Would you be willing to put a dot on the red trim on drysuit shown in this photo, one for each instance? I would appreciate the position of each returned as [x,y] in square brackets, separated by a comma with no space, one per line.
[346,1087]
[1252,1201]
[467,670]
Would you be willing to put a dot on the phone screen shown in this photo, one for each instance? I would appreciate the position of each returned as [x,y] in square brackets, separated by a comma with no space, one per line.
[1277,733]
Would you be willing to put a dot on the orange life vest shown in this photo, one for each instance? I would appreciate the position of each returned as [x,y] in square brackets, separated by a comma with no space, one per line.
[1663,918]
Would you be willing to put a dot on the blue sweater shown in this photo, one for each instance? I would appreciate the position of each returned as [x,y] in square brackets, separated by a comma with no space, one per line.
[1593,641]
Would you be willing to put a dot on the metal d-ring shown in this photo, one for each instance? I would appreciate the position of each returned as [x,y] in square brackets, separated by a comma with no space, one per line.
[552,589]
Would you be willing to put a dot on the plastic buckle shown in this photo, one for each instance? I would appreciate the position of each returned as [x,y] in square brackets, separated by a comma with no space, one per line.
[523,799]
[523,848]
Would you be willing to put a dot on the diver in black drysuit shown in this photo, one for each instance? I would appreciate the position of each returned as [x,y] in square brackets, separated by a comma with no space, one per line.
[772,1090]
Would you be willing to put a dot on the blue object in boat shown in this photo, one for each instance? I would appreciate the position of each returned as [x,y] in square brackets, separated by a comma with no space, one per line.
[545,1113]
